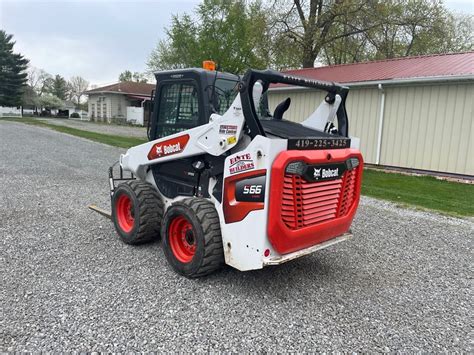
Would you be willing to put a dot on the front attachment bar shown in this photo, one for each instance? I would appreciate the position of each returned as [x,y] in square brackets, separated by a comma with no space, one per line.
[113,180]
[100,211]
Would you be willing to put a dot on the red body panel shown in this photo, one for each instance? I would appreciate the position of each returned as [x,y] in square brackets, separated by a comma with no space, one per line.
[319,211]
[235,211]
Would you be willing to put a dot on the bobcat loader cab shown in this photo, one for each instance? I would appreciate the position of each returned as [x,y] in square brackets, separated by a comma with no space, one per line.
[224,180]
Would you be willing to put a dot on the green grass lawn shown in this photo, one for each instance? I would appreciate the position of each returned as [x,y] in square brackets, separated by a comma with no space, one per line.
[421,191]
[116,141]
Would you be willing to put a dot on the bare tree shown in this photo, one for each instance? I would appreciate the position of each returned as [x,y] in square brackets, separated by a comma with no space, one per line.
[78,86]
[39,80]
[345,31]
[308,23]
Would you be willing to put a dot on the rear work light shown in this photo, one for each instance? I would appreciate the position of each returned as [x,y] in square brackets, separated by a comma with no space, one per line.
[296,168]
[299,167]
[352,163]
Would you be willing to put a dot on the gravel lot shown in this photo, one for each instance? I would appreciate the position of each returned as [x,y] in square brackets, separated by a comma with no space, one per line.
[404,283]
[127,131]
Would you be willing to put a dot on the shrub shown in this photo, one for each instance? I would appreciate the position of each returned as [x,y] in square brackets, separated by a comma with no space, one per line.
[75,115]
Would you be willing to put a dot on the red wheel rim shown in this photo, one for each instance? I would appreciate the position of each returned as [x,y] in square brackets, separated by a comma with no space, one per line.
[124,210]
[182,239]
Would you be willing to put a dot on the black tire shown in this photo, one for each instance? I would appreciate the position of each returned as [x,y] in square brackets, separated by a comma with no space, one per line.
[196,216]
[145,215]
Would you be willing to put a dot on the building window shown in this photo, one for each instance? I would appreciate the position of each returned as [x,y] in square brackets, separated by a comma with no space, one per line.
[93,110]
[104,110]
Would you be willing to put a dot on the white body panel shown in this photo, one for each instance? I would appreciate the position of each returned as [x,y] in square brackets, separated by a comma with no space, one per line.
[245,241]
[205,139]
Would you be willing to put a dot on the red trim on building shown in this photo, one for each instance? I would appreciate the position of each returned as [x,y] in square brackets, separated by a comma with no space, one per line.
[439,65]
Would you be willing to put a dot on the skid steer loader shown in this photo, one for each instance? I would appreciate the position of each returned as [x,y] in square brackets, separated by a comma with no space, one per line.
[224,180]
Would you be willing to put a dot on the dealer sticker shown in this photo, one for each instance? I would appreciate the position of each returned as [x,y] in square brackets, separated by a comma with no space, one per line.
[228,129]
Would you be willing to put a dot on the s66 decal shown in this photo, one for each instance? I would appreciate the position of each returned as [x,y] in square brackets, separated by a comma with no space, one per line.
[251,189]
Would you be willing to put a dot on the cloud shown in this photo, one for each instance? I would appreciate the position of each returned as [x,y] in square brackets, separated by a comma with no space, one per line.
[465,6]
[70,57]
[94,39]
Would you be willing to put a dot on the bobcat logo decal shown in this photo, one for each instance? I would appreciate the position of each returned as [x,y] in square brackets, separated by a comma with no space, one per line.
[317,173]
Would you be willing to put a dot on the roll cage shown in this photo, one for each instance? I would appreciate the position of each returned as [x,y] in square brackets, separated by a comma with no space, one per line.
[268,77]
[206,96]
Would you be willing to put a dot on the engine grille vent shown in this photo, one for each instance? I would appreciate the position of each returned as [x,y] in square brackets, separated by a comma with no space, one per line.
[309,203]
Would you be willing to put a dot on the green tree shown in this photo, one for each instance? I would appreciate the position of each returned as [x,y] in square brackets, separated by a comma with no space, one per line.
[30,97]
[13,74]
[127,75]
[233,33]
[59,87]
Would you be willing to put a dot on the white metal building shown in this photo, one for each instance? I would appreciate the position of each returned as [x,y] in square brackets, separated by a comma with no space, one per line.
[414,112]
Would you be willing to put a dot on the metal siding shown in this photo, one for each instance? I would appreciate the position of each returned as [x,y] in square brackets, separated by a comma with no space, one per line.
[363,106]
[465,146]
[429,127]
[426,127]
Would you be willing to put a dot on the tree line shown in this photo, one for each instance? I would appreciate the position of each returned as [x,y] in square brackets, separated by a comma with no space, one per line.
[283,34]
[45,90]
[137,77]
[278,34]
[24,85]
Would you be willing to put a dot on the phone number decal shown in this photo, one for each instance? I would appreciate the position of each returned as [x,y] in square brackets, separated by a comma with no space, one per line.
[319,143]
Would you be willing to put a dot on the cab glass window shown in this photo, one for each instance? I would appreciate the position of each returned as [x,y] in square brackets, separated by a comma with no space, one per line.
[178,108]
[225,93]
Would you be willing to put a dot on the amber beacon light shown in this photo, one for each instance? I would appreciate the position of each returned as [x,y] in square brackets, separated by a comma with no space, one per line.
[209,65]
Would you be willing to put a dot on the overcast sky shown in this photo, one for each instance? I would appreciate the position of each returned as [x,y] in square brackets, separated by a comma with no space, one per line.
[98,39]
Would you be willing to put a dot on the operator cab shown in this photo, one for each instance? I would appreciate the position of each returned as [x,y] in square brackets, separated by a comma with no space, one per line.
[186,98]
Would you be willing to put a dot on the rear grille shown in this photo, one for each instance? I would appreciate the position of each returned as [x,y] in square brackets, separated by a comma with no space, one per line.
[308,203]
[348,195]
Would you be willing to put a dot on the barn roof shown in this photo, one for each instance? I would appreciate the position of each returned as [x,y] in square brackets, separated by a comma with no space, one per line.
[429,66]
[126,88]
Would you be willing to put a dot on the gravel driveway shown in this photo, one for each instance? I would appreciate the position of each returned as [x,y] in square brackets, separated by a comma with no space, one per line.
[404,283]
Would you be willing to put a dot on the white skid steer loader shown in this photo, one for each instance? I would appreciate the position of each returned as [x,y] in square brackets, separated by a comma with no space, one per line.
[223,180]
